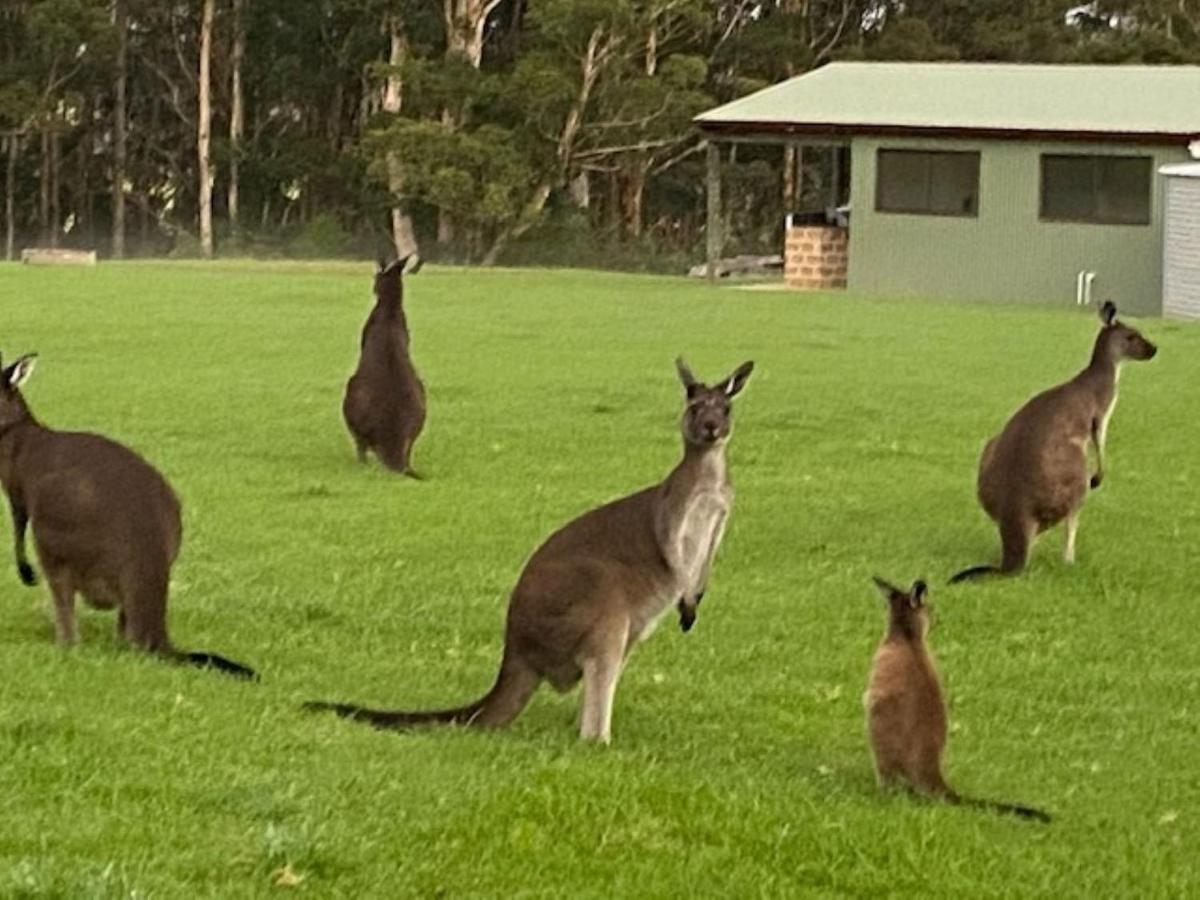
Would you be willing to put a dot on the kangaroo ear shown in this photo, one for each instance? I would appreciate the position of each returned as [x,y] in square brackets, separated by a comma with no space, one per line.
[886,590]
[18,373]
[735,382]
[690,384]
[917,595]
[1108,312]
[382,266]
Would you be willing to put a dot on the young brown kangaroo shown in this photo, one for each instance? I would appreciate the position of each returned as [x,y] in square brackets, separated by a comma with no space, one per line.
[105,524]
[906,717]
[384,405]
[600,584]
[1034,473]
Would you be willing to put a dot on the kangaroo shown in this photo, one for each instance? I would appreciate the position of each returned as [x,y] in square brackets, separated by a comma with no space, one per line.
[601,583]
[384,405]
[1034,474]
[105,524]
[906,716]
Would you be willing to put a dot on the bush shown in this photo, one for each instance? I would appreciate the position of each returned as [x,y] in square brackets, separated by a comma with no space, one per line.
[321,237]
[568,239]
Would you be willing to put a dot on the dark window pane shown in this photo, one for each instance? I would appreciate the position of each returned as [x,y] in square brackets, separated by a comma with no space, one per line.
[954,184]
[1123,189]
[1067,188]
[1101,189]
[927,182]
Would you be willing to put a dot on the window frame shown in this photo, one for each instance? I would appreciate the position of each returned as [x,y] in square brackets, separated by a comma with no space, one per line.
[1095,158]
[941,214]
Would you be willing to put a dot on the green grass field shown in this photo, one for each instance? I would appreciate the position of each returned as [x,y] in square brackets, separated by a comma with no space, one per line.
[738,765]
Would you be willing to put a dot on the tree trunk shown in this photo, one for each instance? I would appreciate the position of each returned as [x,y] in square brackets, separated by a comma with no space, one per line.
[120,138]
[464,21]
[237,112]
[55,187]
[204,126]
[81,195]
[789,178]
[633,187]
[44,192]
[598,50]
[10,189]
[404,237]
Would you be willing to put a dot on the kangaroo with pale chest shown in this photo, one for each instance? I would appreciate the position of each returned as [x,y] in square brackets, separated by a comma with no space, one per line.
[600,584]
[384,403]
[1034,474]
[105,524]
[906,715]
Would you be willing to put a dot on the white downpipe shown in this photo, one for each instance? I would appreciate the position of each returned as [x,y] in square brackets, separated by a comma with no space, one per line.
[1087,287]
[1079,287]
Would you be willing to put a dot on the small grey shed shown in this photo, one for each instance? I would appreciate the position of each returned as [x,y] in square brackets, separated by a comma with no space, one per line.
[1181,241]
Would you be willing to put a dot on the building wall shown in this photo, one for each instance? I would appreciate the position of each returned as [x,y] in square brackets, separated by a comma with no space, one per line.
[1006,253]
[1181,260]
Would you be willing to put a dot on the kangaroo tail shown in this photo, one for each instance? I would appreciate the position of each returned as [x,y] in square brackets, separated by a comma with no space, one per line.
[383,718]
[514,685]
[1013,809]
[220,663]
[975,572]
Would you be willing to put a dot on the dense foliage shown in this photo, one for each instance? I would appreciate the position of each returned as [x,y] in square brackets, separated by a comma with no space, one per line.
[518,129]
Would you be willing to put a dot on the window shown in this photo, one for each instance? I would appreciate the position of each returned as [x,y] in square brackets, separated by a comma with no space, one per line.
[1110,190]
[931,183]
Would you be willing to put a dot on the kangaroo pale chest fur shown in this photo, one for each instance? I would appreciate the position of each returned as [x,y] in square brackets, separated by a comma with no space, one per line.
[599,585]
[692,515]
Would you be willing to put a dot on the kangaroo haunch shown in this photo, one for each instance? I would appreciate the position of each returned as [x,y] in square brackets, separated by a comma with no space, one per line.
[384,405]
[906,716]
[1034,473]
[601,583]
[105,524]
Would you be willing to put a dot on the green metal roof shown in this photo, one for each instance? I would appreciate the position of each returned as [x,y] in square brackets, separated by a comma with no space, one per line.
[1091,102]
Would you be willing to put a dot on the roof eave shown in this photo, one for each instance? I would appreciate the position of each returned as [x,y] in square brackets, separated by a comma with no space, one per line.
[768,130]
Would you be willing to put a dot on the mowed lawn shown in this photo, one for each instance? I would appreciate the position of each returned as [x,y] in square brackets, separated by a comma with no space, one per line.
[738,765]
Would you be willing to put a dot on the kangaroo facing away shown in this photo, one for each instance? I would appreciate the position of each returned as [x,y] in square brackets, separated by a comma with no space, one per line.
[105,524]
[600,584]
[906,716]
[384,404]
[1034,474]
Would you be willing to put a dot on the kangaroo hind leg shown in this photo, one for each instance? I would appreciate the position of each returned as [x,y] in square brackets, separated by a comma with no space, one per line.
[62,587]
[1072,526]
[602,667]
[1016,535]
[144,611]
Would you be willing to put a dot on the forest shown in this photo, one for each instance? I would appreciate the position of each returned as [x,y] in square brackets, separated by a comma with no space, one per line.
[485,131]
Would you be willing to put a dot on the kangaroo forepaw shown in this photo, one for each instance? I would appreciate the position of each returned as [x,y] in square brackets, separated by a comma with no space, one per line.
[28,576]
[1096,480]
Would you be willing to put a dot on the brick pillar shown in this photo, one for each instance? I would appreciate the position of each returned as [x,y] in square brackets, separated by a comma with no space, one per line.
[814,256]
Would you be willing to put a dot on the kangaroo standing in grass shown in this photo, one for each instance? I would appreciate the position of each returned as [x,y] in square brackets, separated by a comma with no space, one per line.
[906,716]
[105,524]
[600,584]
[1034,474]
[384,405]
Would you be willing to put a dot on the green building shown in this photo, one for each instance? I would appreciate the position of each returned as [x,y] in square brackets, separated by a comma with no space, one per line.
[980,181]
